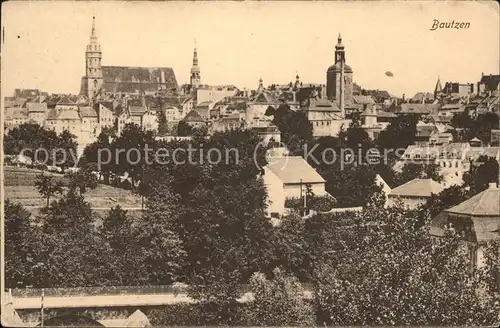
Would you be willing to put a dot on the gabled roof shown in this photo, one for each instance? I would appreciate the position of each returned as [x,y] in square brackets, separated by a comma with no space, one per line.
[204,104]
[265,98]
[294,170]
[136,110]
[68,114]
[486,203]
[86,111]
[137,319]
[15,113]
[417,188]
[65,100]
[363,100]
[407,108]
[193,116]
[36,107]
[322,105]
[491,81]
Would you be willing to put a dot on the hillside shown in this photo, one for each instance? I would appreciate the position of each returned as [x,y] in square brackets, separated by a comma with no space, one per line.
[19,187]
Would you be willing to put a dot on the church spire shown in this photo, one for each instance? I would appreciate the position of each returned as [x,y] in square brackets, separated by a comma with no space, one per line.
[195,70]
[339,39]
[93,35]
[438,89]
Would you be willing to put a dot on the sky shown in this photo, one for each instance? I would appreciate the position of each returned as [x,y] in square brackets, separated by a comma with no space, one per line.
[240,42]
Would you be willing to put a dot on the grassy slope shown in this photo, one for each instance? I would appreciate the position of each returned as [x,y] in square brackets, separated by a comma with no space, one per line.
[19,188]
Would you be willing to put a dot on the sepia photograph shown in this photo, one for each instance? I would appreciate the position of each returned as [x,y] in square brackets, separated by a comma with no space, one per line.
[250,163]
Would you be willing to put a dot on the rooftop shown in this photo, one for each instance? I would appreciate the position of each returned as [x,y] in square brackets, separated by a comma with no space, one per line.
[417,188]
[486,203]
[294,170]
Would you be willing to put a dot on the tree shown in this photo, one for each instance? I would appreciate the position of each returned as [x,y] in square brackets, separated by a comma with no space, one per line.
[399,134]
[468,127]
[131,147]
[355,137]
[278,301]
[412,171]
[82,180]
[116,228]
[184,129]
[481,173]
[95,153]
[295,128]
[66,150]
[47,186]
[162,123]
[216,207]
[446,199]
[391,273]
[19,246]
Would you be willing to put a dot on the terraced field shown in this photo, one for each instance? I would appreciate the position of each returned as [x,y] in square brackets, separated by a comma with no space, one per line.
[19,187]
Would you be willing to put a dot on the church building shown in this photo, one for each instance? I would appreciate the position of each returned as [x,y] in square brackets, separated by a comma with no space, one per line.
[100,79]
[339,79]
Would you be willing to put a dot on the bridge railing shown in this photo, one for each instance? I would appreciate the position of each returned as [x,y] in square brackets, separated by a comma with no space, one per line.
[97,291]
[111,291]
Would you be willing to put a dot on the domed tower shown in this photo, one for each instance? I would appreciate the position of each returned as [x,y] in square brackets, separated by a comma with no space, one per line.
[195,79]
[92,82]
[336,73]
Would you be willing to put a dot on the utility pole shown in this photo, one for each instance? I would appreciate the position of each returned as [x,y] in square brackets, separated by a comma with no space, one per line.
[43,294]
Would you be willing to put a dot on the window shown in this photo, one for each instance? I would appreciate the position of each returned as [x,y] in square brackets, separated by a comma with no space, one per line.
[417,156]
[456,165]
[449,164]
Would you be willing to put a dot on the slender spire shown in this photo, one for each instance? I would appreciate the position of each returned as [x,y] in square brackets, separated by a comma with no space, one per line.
[195,55]
[93,35]
[339,39]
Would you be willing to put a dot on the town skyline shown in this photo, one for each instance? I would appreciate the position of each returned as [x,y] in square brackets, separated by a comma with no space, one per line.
[240,54]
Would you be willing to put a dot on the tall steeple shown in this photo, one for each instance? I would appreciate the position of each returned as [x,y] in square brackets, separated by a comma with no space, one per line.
[438,89]
[261,85]
[195,69]
[93,69]
[339,50]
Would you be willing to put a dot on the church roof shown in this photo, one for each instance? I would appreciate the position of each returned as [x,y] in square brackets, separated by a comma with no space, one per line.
[132,79]
[336,68]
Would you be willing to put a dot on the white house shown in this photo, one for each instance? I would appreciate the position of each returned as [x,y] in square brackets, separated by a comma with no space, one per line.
[288,177]
[415,192]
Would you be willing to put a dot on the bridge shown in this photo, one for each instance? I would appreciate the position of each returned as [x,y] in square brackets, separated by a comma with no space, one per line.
[102,297]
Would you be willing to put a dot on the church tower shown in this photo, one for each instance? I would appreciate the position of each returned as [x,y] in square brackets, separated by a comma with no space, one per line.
[92,81]
[339,78]
[195,70]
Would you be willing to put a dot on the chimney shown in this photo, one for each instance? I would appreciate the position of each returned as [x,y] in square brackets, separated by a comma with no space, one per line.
[162,77]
